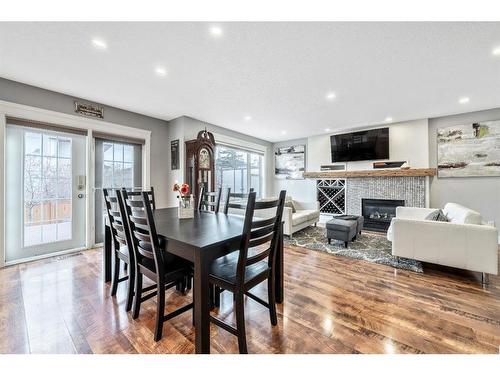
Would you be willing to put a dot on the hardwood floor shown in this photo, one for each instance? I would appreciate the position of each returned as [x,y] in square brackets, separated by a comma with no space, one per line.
[332,304]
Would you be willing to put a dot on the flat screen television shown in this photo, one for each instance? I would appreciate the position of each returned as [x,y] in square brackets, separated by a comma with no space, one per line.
[363,145]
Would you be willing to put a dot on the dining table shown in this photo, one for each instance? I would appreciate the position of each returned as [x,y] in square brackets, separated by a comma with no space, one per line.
[200,240]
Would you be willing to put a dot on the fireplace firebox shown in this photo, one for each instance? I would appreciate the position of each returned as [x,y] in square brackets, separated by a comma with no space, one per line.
[379,212]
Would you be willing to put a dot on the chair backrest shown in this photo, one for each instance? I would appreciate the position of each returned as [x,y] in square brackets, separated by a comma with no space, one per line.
[260,235]
[114,218]
[151,195]
[146,243]
[209,200]
[236,200]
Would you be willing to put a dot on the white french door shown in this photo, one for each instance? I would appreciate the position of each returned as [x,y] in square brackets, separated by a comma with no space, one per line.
[45,192]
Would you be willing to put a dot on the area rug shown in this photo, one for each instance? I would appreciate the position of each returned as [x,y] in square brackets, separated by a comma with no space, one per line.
[370,247]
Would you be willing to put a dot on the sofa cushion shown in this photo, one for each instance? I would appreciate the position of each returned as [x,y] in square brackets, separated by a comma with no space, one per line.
[301,216]
[437,215]
[459,214]
[290,204]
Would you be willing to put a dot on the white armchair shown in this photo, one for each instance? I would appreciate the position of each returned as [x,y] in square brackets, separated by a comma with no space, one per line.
[306,214]
[464,242]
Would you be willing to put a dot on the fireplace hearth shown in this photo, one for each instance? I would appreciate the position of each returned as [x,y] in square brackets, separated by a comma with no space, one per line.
[378,213]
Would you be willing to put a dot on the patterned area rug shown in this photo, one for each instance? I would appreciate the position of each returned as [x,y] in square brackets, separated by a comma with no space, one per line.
[371,247]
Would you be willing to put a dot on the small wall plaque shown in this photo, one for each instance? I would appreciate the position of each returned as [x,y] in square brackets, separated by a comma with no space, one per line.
[89,110]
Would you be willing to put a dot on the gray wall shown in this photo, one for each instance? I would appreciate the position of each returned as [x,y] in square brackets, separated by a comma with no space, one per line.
[33,96]
[479,193]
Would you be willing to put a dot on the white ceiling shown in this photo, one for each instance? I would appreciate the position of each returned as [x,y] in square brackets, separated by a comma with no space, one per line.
[277,73]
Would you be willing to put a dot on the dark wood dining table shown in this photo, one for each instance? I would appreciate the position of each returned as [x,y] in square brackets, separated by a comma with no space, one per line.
[200,240]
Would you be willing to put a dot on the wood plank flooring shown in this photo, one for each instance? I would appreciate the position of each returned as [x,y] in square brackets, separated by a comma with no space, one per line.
[332,304]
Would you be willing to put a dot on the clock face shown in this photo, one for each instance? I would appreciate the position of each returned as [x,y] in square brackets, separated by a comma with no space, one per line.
[204,159]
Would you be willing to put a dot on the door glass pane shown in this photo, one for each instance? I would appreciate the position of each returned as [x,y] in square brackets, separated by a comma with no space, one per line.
[118,175]
[49,167]
[128,153]
[118,152]
[49,145]
[33,144]
[47,189]
[107,174]
[64,147]
[108,151]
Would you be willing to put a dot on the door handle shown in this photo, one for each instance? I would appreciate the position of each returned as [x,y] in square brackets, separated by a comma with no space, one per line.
[81,195]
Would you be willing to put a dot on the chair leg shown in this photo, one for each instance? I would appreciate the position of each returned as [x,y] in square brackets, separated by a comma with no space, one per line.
[240,323]
[116,276]
[137,295]
[272,300]
[160,310]
[211,289]
[189,282]
[130,292]
[217,293]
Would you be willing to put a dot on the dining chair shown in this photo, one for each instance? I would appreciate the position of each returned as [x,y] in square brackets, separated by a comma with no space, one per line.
[237,200]
[138,193]
[209,200]
[242,270]
[121,251]
[152,260]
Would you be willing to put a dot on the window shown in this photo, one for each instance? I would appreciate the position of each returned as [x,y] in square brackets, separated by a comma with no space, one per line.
[238,169]
[47,188]
[118,167]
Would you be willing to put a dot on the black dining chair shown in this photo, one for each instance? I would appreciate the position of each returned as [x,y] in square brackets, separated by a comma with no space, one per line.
[254,263]
[152,260]
[209,200]
[235,200]
[121,252]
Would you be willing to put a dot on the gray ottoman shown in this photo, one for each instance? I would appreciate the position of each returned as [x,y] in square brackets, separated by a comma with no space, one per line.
[343,230]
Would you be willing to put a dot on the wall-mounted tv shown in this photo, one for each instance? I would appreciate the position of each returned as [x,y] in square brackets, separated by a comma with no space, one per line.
[364,145]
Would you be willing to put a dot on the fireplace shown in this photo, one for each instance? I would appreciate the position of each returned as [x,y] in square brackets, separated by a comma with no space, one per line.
[379,212]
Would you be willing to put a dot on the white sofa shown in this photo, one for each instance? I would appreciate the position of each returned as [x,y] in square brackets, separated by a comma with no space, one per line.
[307,213]
[465,241]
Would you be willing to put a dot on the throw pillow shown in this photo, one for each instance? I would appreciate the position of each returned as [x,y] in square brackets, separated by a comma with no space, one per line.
[290,205]
[437,215]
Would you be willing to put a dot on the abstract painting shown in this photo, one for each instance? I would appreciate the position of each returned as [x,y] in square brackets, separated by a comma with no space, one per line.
[290,162]
[471,150]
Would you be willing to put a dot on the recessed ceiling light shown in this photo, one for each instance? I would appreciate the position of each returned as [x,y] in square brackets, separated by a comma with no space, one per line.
[216,31]
[463,100]
[496,51]
[248,118]
[388,119]
[161,71]
[283,132]
[331,96]
[99,43]
[327,129]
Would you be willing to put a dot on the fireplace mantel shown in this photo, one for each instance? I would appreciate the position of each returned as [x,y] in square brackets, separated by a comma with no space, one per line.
[412,172]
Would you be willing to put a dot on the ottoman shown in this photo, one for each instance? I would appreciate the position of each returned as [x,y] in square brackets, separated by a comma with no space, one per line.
[343,230]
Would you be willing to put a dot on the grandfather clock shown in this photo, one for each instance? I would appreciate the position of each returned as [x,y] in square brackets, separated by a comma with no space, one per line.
[200,166]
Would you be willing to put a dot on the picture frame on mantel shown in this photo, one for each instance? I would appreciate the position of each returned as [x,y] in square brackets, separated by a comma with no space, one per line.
[470,150]
[174,154]
[290,162]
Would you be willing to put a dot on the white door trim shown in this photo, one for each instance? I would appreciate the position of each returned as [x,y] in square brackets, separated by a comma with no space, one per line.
[8,109]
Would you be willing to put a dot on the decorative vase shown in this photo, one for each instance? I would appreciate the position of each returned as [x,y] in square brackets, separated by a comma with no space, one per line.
[186,209]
